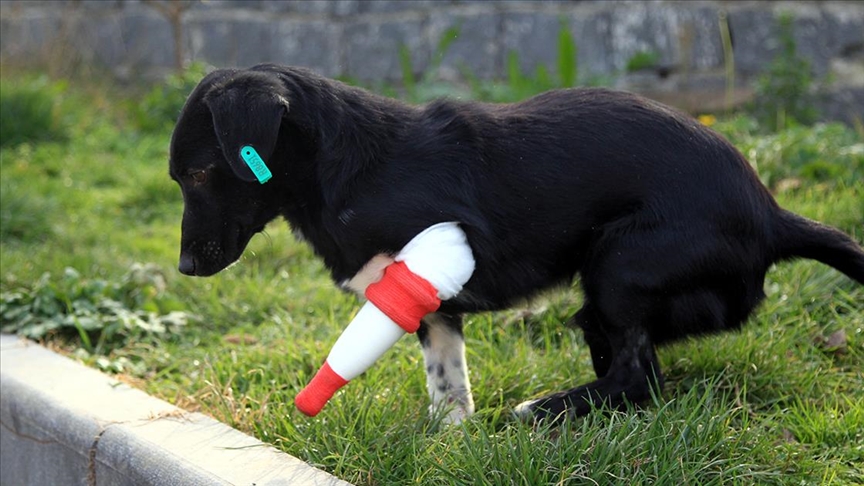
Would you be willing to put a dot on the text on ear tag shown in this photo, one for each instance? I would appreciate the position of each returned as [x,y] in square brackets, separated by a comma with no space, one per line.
[256,163]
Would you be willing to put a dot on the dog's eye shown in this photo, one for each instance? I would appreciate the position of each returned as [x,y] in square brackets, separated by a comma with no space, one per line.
[199,176]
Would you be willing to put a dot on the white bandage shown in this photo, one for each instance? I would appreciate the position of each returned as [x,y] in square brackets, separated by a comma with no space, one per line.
[441,255]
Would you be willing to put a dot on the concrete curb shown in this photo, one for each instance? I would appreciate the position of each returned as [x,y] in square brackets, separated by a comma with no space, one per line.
[65,423]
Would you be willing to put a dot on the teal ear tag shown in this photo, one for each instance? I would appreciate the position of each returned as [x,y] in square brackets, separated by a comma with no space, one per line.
[256,163]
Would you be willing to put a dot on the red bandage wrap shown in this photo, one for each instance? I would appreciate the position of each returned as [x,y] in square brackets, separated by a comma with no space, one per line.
[312,399]
[403,296]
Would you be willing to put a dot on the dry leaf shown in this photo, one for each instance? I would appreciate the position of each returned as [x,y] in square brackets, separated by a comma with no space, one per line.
[246,339]
[835,343]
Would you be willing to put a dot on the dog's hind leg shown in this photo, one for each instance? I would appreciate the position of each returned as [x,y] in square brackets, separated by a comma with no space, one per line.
[621,309]
[601,351]
[446,369]
[630,377]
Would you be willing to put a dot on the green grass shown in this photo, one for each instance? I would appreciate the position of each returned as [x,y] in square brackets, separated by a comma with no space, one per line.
[772,404]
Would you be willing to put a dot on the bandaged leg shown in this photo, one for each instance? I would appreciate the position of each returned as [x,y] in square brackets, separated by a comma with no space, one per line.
[432,267]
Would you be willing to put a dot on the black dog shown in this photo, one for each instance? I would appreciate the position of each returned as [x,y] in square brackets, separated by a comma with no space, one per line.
[665,222]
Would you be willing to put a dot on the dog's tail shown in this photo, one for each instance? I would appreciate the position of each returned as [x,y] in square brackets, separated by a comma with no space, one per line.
[796,236]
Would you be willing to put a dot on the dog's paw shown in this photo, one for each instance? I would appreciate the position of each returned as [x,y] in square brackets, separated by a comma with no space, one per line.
[456,415]
[453,411]
[552,409]
[525,411]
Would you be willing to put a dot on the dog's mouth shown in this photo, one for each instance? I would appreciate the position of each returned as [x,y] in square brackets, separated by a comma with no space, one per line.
[205,258]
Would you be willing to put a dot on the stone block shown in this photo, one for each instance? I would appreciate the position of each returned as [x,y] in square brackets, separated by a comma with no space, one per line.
[12,39]
[225,41]
[534,39]
[89,36]
[684,38]
[754,38]
[847,72]
[209,5]
[845,27]
[101,4]
[698,31]
[844,104]
[28,36]
[644,28]
[315,44]
[253,41]
[342,8]
[99,39]
[813,38]
[592,31]
[372,48]
[15,6]
[148,40]
[212,41]
[393,6]
[821,33]
[475,47]
[335,8]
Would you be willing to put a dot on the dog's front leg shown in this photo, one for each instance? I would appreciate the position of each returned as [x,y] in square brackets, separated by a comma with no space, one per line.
[446,369]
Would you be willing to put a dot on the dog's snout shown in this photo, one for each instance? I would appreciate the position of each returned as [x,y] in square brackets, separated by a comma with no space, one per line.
[187,264]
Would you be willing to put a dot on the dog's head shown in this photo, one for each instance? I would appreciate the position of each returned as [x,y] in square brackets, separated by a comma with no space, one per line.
[224,204]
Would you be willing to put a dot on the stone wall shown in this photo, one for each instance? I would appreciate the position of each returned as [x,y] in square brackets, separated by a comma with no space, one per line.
[361,39]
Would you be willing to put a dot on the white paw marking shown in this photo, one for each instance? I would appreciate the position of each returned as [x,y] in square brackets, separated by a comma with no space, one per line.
[524,410]
[447,372]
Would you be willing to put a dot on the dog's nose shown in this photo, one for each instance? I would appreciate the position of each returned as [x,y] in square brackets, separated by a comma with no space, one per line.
[187,264]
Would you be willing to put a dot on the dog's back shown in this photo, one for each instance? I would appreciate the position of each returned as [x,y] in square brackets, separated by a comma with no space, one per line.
[542,184]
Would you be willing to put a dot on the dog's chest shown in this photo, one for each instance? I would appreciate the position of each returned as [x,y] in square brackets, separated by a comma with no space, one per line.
[371,272]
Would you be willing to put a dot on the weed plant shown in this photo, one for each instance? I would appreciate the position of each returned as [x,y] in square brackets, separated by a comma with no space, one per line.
[29,111]
[517,86]
[784,94]
[104,315]
[158,109]
[642,60]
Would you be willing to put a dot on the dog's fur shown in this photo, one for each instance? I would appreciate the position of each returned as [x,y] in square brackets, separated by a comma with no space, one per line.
[665,222]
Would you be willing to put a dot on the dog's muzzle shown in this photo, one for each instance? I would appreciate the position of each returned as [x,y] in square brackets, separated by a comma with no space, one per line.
[187,264]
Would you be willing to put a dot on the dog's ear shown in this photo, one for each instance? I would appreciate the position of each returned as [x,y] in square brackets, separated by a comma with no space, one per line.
[247,111]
